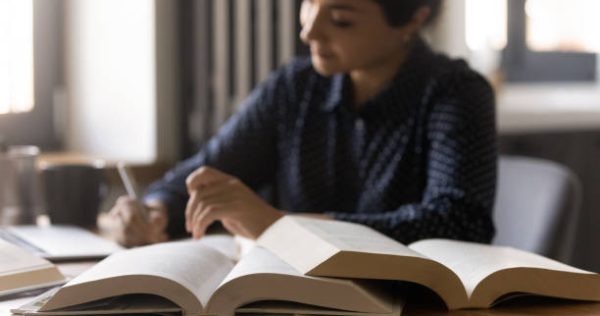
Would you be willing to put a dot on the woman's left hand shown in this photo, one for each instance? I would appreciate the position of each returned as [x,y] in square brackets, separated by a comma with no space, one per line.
[215,195]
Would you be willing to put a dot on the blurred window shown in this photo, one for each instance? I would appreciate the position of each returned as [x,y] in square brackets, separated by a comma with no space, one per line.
[16,56]
[32,72]
[486,24]
[559,25]
[551,40]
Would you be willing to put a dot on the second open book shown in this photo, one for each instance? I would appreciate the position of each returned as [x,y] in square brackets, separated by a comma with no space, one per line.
[463,274]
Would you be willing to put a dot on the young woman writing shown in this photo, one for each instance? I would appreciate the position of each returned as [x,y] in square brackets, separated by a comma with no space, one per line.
[373,128]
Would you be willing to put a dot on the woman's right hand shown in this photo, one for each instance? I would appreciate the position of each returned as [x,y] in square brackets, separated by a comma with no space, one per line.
[133,224]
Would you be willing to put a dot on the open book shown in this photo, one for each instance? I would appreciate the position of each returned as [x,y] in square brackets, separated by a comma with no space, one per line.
[22,271]
[203,278]
[463,274]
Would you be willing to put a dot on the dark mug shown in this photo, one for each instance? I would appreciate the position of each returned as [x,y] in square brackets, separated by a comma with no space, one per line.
[73,193]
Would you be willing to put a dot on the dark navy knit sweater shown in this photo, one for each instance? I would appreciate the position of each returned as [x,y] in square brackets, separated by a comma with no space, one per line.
[416,161]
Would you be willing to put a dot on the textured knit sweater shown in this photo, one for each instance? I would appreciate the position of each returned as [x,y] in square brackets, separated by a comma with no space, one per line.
[416,161]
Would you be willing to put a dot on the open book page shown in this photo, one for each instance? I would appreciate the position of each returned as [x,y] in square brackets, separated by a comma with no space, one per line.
[341,249]
[225,244]
[188,278]
[244,246]
[122,305]
[287,308]
[261,275]
[21,270]
[317,240]
[473,262]
[351,237]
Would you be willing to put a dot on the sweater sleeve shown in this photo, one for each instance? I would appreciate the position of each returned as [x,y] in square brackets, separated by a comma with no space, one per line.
[244,147]
[461,171]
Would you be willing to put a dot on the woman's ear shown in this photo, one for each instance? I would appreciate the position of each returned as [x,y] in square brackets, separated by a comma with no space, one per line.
[418,20]
[421,16]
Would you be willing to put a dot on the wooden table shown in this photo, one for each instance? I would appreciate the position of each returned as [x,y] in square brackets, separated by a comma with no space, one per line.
[539,308]
[421,303]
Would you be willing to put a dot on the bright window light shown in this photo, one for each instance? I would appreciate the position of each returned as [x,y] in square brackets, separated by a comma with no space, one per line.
[486,24]
[559,25]
[16,56]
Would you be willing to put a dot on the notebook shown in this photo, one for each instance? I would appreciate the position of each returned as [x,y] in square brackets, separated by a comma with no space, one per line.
[59,242]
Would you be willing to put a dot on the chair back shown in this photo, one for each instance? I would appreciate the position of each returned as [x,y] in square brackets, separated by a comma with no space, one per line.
[537,206]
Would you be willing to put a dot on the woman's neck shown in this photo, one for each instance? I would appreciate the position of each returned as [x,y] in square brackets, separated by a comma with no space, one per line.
[369,82]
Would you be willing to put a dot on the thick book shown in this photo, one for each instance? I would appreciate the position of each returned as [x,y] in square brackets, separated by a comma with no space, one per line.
[22,271]
[463,274]
[205,277]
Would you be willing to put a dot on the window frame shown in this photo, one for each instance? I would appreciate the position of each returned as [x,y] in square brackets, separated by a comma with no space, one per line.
[520,64]
[40,125]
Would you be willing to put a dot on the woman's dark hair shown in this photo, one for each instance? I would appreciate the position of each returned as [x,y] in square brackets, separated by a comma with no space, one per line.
[399,12]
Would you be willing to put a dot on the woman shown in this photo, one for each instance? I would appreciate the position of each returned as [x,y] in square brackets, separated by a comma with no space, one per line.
[374,128]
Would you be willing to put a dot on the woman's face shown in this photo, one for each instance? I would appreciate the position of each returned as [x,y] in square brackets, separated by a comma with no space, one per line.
[350,35]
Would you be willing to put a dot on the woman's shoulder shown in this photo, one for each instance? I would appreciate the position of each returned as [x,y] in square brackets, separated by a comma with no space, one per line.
[453,86]
[455,72]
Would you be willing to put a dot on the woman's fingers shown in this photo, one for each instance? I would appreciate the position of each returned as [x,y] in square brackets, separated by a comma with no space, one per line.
[131,227]
[204,176]
[199,199]
[132,224]
[208,216]
[218,196]
[200,184]
[190,208]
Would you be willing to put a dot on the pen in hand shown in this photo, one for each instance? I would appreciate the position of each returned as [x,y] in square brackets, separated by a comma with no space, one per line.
[131,186]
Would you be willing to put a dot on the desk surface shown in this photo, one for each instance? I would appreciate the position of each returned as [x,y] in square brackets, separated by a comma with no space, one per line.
[521,306]
[422,304]
[571,309]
